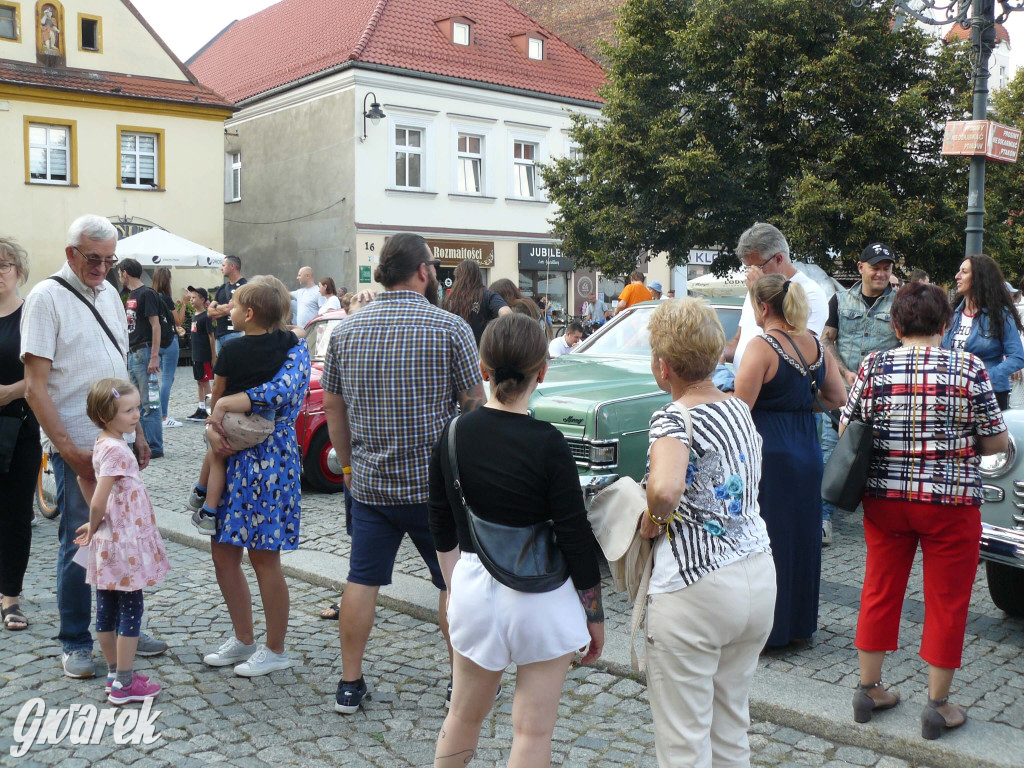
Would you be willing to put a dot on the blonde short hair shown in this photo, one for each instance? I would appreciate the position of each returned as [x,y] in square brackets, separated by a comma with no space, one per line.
[101,402]
[10,248]
[687,334]
[787,299]
[284,294]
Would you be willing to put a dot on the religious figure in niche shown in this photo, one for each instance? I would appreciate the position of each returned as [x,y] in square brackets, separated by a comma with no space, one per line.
[50,31]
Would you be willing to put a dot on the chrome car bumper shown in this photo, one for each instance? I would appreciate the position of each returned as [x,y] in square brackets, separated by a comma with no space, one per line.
[1002,545]
[591,484]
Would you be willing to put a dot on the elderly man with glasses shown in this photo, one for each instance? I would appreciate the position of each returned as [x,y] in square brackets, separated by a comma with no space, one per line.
[74,331]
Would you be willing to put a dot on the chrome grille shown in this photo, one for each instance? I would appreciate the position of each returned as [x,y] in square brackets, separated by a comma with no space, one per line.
[580,450]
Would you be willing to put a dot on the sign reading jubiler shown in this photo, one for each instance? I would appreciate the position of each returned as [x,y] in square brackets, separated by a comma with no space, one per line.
[547,257]
[981,137]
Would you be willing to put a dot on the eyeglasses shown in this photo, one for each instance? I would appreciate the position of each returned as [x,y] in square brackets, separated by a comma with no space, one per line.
[96,261]
[6,267]
[770,258]
[433,262]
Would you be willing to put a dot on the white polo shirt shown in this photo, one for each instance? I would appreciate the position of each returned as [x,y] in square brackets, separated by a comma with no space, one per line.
[57,326]
[816,317]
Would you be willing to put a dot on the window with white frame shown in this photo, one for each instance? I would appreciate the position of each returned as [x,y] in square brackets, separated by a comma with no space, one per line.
[460,33]
[470,164]
[139,160]
[535,49]
[524,169]
[49,152]
[408,157]
[236,176]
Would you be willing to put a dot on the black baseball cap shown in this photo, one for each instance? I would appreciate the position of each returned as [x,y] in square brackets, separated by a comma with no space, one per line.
[201,291]
[877,252]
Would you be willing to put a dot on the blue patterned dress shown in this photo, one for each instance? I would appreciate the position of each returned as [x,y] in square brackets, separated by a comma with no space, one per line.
[260,506]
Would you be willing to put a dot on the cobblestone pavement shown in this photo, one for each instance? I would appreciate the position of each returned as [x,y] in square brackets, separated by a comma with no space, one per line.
[209,715]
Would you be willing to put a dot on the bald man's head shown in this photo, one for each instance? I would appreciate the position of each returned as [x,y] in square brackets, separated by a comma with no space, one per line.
[305,277]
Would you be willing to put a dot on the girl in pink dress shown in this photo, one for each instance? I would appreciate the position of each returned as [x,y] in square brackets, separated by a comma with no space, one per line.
[124,550]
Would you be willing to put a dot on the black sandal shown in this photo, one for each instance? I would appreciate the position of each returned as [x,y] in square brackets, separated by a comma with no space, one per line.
[331,612]
[12,617]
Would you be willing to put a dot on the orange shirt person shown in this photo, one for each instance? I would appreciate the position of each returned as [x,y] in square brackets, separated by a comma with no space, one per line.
[633,293]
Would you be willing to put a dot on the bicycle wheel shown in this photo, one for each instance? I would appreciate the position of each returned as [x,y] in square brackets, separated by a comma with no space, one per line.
[46,490]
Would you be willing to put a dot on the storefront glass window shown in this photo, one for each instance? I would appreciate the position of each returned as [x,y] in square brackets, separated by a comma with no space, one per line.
[611,289]
[535,283]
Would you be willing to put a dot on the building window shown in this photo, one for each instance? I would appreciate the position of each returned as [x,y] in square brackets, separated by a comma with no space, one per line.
[236,177]
[141,160]
[1002,77]
[50,154]
[90,35]
[535,49]
[524,169]
[9,26]
[408,158]
[470,164]
[460,33]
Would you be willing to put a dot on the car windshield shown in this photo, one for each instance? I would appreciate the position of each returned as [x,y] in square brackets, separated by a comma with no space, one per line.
[318,337]
[627,335]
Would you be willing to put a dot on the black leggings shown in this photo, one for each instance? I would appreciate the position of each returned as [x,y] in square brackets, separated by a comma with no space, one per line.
[17,489]
[1003,398]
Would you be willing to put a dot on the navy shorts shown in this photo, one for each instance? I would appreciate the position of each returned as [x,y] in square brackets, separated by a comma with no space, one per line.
[376,535]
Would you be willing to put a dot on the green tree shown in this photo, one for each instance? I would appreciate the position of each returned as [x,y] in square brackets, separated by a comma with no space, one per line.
[1004,189]
[813,115]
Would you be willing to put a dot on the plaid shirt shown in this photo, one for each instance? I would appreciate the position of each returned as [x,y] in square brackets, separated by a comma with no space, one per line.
[929,406]
[398,364]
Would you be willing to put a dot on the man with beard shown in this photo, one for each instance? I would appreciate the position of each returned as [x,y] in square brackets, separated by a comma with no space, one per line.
[392,377]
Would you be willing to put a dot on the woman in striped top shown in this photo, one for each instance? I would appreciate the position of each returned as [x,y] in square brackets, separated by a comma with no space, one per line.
[712,592]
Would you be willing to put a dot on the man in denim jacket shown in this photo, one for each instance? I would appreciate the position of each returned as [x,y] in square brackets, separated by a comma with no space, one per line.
[858,323]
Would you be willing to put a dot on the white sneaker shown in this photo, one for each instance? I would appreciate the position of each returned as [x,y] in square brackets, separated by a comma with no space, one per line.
[170,421]
[231,652]
[263,662]
[826,533]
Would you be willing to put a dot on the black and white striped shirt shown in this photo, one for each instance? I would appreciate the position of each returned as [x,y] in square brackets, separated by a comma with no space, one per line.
[718,521]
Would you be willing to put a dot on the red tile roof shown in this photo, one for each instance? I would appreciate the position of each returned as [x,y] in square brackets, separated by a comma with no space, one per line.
[298,38]
[957,32]
[18,73]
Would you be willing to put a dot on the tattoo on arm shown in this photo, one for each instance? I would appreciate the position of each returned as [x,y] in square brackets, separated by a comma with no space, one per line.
[471,399]
[828,341]
[591,599]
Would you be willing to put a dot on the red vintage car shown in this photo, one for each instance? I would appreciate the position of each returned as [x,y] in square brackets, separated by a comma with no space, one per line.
[320,468]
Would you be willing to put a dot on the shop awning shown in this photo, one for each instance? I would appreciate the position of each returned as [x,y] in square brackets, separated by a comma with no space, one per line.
[159,248]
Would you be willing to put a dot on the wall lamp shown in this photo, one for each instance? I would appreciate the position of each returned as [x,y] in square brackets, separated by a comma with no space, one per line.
[375,113]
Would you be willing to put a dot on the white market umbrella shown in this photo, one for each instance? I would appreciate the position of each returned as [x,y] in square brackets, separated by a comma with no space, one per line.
[713,286]
[159,248]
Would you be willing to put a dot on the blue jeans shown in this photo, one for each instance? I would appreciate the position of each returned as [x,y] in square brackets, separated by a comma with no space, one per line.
[829,437]
[152,424]
[168,367]
[74,596]
[220,341]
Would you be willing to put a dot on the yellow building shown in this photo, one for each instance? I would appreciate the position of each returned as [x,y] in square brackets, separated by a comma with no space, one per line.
[98,116]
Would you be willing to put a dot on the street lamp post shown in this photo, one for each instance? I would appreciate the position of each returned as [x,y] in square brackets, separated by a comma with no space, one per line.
[981,17]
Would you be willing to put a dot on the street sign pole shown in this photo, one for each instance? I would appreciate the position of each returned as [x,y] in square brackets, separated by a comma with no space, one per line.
[983,35]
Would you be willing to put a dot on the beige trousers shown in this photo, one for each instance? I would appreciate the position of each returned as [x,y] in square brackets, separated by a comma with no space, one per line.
[702,648]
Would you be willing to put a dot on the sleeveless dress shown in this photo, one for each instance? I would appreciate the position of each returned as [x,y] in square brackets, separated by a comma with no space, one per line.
[790,494]
[126,553]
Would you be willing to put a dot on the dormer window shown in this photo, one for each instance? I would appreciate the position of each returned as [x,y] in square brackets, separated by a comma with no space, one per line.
[535,49]
[530,44]
[460,33]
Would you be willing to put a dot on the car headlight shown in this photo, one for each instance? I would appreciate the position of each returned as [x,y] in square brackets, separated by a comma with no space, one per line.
[604,452]
[998,464]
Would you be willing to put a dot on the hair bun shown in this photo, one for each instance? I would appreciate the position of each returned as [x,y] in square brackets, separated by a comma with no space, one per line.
[505,372]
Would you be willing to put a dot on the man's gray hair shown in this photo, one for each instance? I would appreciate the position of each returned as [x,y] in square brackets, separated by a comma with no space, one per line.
[90,227]
[763,239]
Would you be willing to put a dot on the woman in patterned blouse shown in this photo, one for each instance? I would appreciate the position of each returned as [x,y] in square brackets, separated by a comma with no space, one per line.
[712,591]
[934,414]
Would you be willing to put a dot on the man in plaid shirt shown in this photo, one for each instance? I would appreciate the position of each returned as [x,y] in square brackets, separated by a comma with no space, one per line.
[392,377]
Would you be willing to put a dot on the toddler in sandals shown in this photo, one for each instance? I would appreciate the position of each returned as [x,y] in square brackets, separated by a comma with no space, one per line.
[120,544]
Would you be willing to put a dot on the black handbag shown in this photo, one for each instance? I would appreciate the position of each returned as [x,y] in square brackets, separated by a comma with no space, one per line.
[10,427]
[525,559]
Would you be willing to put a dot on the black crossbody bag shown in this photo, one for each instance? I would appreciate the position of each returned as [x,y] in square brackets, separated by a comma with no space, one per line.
[525,559]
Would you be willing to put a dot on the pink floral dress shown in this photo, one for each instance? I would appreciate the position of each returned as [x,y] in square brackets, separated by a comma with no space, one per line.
[126,553]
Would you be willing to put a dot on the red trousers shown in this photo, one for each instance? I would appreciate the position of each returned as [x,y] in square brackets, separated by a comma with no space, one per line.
[950,538]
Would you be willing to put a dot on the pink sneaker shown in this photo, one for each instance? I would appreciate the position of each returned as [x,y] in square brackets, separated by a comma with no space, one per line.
[139,690]
[111,678]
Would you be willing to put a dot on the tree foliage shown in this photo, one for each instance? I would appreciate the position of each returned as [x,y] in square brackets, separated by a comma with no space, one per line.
[813,115]
[1004,189]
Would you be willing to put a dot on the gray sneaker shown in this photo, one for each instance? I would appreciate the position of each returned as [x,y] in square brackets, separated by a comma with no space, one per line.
[150,646]
[204,522]
[232,651]
[196,499]
[78,664]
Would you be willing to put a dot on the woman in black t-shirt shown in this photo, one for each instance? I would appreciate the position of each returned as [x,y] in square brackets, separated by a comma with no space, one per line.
[471,301]
[168,354]
[18,477]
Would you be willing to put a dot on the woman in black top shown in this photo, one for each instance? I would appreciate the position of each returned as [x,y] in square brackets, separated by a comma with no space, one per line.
[169,354]
[516,471]
[471,301]
[18,479]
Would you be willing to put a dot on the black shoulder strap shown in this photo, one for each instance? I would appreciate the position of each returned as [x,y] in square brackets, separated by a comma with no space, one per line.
[96,314]
[453,463]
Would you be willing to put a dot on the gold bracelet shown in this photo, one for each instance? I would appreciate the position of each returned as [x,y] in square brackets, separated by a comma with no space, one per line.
[655,520]
[346,470]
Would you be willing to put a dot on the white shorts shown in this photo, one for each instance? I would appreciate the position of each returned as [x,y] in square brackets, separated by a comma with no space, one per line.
[493,626]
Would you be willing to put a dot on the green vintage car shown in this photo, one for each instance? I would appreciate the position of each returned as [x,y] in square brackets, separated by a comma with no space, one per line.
[1002,516]
[601,395]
